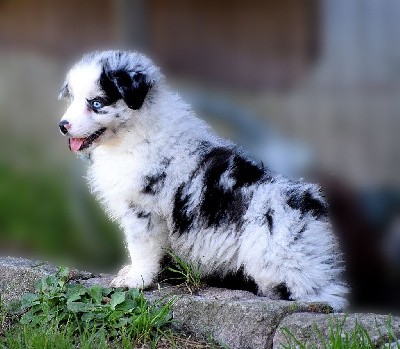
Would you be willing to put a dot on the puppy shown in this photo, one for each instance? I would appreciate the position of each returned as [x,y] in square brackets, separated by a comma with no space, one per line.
[172,183]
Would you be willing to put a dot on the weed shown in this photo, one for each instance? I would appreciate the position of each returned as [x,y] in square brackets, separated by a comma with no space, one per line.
[293,307]
[337,338]
[186,273]
[61,312]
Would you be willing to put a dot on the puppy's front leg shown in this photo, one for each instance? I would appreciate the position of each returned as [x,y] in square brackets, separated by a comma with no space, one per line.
[145,241]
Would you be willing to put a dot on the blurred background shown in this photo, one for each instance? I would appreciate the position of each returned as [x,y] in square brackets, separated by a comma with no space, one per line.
[310,87]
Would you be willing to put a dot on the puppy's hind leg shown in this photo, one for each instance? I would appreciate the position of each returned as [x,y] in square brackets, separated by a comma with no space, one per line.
[146,243]
[294,276]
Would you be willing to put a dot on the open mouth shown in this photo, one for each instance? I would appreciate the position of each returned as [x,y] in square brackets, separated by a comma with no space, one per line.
[78,144]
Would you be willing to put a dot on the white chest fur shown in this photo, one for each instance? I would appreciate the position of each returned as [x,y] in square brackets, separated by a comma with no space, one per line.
[116,179]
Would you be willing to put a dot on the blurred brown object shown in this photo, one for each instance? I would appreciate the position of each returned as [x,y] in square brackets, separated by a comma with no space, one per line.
[262,44]
[367,268]
[57,27]
[267,43]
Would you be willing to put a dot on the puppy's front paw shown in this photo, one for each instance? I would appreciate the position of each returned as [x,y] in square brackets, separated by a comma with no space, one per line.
[129,277]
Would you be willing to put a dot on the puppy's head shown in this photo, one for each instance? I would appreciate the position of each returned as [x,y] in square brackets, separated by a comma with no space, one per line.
[107,90]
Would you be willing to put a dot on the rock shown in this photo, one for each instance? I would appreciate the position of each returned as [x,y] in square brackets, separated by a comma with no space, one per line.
[392,345]
[305,327]
[18,276]
[236,319]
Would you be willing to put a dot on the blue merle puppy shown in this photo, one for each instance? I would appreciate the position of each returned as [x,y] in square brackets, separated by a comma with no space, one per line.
[172,183]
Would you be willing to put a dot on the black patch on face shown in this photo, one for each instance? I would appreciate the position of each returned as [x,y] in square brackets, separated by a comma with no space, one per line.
[270,220]
[154,183]
[109,88]
[182,219]
[100,111]
[102,100]
[305,202]
[132,88]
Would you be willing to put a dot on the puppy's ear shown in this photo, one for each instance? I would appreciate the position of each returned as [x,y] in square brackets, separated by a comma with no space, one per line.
[64,92]
[133,87]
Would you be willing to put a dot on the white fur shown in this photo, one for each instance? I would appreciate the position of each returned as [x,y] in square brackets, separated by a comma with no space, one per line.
[163,139]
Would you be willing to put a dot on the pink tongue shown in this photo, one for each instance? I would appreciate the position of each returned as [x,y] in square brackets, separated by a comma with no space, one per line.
[76,143]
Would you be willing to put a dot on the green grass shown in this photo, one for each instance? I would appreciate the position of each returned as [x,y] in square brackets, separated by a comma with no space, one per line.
[49,213]
[63,315]
[338,338]
[52,336]
[185,273]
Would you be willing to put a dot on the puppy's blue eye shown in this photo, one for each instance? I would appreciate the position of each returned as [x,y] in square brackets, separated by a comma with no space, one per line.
[96,104]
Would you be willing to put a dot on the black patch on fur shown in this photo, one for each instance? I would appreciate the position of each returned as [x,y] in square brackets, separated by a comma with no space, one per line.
[202,148]
[182,219]
[305,202]
[282,292]
[219,204]
[143,214]
[245,172]
[235,281]
[154,183]
[270,220]
[298,235]
[133,89]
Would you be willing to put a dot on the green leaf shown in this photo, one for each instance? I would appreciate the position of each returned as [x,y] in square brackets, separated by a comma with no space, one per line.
[117,298]
[88,317]
[127,306]
[96,293]
[123,321]
[133,293]
[77,307]
[106,291]
[63,272]
[29,299]
[41,285]
[74,292]
[115,315]
[62,275]
[52,281]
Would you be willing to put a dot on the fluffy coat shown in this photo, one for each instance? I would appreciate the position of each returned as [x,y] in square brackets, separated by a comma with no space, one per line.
[172,183]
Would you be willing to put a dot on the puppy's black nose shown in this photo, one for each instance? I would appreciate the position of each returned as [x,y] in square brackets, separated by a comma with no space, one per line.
[64,126]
